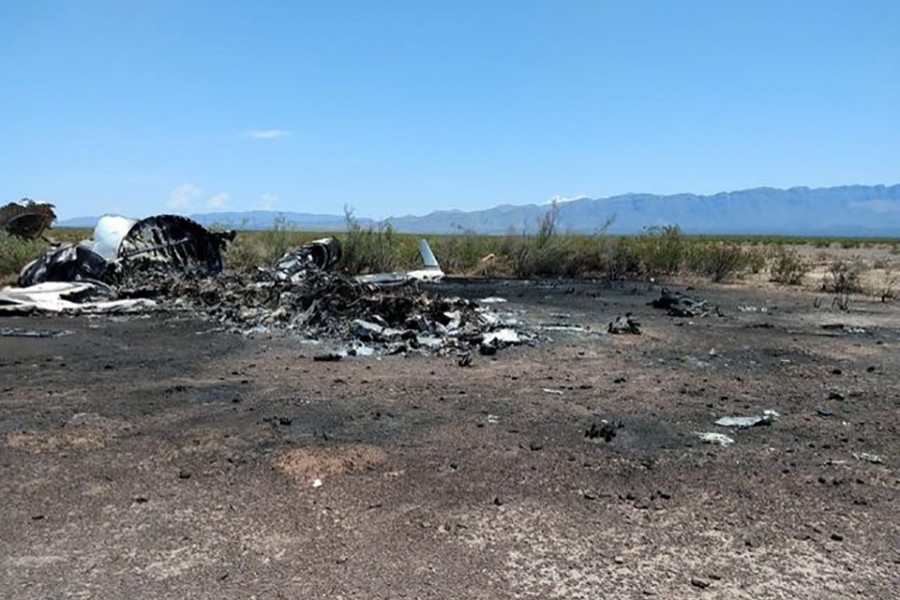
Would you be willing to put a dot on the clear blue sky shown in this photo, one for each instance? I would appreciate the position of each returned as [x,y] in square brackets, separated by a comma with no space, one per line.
[399,107]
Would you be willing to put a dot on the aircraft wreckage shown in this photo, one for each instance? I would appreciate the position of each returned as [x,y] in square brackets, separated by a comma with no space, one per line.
[168,262]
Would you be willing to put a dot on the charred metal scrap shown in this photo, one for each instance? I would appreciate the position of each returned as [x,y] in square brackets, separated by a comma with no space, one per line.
[360,317]
[121,246]
[26,219]
[677,304]
[322,254]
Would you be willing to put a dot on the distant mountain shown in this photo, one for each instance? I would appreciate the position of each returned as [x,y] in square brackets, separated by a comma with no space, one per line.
[848,210]
[856,210]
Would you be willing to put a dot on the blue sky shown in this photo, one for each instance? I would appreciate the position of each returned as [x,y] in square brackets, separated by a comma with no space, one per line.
[396,107]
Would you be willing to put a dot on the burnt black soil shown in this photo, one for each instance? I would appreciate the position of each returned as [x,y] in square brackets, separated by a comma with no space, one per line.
[160,457]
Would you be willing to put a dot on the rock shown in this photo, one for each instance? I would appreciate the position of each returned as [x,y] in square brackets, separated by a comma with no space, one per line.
[699,583]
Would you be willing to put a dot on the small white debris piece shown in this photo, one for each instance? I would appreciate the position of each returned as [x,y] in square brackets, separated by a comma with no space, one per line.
[552,391]
[766,418]
[493,419]
[492,300]
[503,337]
[870,458]
[316,484]
[719,439]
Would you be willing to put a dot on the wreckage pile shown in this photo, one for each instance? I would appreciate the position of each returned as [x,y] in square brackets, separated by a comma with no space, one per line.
[329,306]
[169,262]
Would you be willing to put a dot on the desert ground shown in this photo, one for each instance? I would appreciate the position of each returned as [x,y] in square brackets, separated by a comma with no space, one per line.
[157,456]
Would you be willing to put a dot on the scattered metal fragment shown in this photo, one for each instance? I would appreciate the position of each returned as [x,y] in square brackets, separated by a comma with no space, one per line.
[497,340]
[34,333]
[26,219]
[624,325]
[552,391]
[72,297]
[492,300]
[322,254]
[677,304]
[605,430]
[869,458]
[766,418]
[718,439]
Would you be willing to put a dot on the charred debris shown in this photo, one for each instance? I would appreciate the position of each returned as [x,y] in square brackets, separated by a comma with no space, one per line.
[169,262]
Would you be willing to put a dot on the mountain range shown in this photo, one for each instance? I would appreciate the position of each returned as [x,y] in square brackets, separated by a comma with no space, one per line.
[854,210]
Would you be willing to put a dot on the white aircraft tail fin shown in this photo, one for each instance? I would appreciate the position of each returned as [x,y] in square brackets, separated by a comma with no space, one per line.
[427,255]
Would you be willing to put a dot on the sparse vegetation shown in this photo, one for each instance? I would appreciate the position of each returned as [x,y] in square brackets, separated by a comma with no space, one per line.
[371,249]
[15,253]
[843,278]
[788,268]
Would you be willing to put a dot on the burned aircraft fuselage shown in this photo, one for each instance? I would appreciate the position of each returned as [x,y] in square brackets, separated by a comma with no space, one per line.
[167,241]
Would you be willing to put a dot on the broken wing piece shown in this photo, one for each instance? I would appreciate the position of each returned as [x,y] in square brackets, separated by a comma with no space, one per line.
[69,262]
[431,273]
[174,242]
[322,254]
[26,219]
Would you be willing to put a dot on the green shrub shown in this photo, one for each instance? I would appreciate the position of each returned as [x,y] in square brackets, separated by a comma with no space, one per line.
[15,253]
[788,268]
[373,249]
[661,250]
[718,261]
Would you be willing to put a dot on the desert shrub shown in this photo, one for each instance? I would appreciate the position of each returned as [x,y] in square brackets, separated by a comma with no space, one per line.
[15,253]
[719,261]
[623,261]
[372,249]
[661,249]
[886,289]
[756,260]
[843,278]
[787,267]
[462,253]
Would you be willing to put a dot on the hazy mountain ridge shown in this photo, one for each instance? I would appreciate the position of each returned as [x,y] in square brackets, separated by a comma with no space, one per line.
[846,210]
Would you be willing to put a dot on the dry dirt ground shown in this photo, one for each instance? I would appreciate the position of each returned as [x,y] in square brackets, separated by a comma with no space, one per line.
[158,458]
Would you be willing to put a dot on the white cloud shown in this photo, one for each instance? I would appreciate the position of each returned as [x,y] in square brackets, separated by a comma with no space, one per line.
[218,201]
[877,206]
[183,196]
[266,202]
[267,134]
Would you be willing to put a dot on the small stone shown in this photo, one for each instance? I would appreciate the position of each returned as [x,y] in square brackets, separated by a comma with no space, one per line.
[699,583]
[184,474]
[837,537]
[497,501]
[535,446]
